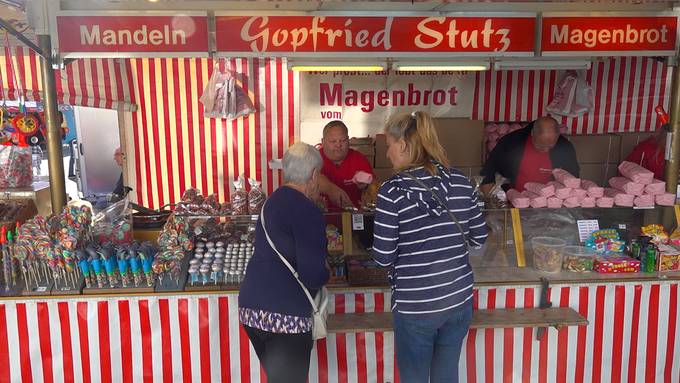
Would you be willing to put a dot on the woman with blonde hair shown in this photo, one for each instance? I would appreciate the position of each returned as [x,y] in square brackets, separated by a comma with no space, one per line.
[427,216]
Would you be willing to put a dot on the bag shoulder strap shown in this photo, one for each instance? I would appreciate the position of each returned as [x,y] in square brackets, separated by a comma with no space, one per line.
[442,204]
[285,261]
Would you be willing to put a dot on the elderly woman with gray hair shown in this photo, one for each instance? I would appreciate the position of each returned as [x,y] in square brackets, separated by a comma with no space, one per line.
[273,308]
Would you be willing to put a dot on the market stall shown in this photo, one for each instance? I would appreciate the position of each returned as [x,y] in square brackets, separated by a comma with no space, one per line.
[184,324]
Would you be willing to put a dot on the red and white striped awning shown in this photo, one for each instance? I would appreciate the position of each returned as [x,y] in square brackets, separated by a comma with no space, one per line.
[97,83]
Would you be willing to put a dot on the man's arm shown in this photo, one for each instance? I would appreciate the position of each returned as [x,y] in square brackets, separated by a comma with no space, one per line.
[337,196]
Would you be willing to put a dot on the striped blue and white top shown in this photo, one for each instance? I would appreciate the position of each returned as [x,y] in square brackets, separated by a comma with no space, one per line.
[414,236]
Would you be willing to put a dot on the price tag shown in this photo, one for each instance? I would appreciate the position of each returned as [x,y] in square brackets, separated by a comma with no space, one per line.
[357,222]
[623,226]
[41,289]
[586,227]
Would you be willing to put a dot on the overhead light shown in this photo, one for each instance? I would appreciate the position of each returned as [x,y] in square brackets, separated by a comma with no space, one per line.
[541,64]
[321,66]
[453,67]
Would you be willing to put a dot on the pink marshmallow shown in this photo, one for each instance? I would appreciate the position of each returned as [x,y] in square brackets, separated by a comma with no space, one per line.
[592,189]
[588,202]
[605,202]
[561,191]
[540,189]
[536,201]
[656,187]
[620,198]
[644,201]
[554,203]
[636,173]
[517,199]
[579,193]
[627,186]
[571,202]
[566,178]
[666,199]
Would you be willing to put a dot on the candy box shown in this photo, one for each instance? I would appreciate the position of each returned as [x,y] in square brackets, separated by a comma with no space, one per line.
[669,258]
[614,264]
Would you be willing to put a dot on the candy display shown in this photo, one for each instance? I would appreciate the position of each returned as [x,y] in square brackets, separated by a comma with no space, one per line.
[519,200]
[592,189]
[114,224]
[335,243]
[338,272]
[566,179]
[219,262]
[614,264]
[578,259]
[620,198]
[110,266]
[606,241]
[256,197]
[561,191]
[657,233]
[540,189]
[535,200]
[45,249]
[666,199]
[627,186]
[657,187]
[547,253]
[15,167]
[175,243]
[636,173]
[239,198]
[193,203]
[669,258]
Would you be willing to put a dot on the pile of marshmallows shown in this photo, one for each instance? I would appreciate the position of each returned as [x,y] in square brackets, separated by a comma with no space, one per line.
[635,187]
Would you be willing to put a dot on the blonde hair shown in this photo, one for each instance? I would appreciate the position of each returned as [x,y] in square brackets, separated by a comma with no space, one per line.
[417,130]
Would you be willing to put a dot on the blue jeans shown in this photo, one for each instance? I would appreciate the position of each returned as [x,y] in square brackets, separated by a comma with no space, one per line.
[428,346]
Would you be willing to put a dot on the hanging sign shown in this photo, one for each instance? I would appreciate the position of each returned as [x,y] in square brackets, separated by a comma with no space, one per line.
[511,34]
[140,35]
[608,35]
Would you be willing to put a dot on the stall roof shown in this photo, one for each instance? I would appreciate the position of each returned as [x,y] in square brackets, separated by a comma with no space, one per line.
[380,5]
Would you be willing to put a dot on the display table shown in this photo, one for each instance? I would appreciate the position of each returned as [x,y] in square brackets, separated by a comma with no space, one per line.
[197,337]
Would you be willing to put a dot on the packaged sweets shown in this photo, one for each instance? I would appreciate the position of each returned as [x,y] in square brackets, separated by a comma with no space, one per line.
[614,264]
[239,199]
[657,232]
[578,259]
[256,197]
[547,253]
[606,241]
[669,258]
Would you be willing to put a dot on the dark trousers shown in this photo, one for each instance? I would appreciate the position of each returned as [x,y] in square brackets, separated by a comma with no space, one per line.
[285,357]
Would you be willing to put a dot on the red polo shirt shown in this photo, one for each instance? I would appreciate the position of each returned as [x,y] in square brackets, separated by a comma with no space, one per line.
[342,174]
[535,166]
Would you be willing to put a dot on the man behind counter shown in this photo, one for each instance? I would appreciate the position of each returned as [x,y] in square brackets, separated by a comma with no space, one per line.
[529,155]
[346,172]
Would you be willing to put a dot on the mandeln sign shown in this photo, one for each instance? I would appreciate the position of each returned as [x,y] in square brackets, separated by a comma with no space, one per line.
[365,100]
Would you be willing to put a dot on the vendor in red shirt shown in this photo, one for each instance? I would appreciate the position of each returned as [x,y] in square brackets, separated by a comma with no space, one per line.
[530,155]
[650,154]
[346,172]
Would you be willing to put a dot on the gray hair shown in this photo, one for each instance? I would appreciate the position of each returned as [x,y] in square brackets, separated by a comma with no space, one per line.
[299,163]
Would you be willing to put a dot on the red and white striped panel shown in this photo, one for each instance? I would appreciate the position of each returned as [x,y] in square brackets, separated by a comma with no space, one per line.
[633,336]
[176,148]
[626,92]
[97,83]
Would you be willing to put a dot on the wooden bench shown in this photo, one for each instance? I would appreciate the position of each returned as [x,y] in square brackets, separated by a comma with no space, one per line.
[500,318]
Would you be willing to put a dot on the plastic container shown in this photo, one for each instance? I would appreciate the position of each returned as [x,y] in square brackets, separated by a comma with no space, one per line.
[578,259]
[548,253]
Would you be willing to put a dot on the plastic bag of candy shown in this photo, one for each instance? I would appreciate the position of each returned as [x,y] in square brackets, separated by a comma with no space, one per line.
[113,224]
[15,167]
[239,199]
[657,232]
[256,197]
[606,241]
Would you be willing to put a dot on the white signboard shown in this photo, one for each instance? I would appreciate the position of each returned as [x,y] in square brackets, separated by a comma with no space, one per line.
[365,100]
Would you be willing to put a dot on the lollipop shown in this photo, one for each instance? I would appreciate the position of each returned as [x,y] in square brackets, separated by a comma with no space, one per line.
[123,267]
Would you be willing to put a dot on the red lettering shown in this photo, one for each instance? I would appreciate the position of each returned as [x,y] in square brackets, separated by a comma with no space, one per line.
[439,97]
[333,98]
[384,97]
[413,95]
[452,95]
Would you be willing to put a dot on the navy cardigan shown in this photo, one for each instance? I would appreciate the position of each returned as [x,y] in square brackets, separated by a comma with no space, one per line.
[297,228]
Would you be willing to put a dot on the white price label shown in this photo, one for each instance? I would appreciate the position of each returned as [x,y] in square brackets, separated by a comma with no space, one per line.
[357,222]
[623,226]
[586,227]
[41,289]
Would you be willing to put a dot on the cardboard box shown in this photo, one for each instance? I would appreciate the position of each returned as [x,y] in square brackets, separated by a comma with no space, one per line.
[630,140]
[597,148]
[381,160]
[462,139]
[598,173]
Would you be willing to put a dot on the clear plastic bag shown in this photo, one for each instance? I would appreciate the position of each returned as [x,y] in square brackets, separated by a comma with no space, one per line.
[224,98]
[573,96]
[239,199]
[16,169]
[113,224]
[256,197]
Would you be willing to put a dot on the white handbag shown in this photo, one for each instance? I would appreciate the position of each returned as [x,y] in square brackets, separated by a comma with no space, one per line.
[319,303]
